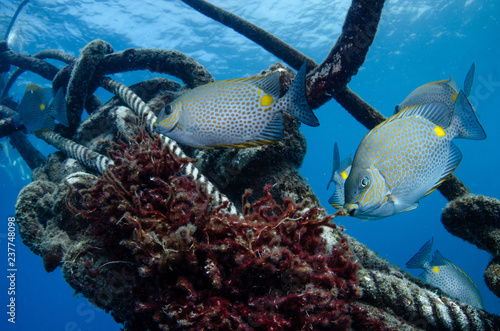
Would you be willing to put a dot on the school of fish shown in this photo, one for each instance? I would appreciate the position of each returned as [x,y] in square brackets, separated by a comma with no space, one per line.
[397,163]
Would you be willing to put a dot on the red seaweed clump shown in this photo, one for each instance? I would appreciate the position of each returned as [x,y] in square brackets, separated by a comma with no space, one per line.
[196,267]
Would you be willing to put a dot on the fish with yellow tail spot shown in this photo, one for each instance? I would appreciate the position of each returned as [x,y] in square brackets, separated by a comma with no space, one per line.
[445,91]
[408,156]
[341,170]
[446,275]
[39,108]
[235,113]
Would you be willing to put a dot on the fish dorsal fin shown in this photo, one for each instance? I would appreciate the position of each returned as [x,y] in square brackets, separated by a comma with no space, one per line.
[420,259]
[451,82]
[469,126]
[345,163]
[436,112]
[336,163]
[469,79]
[438,259]
[33,87]
[454,158]
[269,84]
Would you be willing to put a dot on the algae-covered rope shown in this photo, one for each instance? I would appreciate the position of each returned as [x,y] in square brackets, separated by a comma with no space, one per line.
[142,110]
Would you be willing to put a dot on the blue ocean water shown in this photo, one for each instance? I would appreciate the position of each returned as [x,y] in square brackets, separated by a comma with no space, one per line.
[417,42]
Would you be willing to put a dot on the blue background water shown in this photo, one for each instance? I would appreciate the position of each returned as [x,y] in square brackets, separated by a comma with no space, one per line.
[415,44]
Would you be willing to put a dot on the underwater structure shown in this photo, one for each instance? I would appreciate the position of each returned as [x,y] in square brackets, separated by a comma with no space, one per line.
[166,236]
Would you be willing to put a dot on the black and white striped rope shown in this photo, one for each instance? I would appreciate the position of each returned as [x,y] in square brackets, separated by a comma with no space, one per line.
[143,111]
[79,152]
[422,307]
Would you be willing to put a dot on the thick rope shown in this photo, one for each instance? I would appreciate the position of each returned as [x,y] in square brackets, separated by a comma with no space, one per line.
[422,307]
[142,110]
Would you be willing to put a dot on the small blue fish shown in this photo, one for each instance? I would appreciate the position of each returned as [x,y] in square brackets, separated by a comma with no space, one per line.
[341,170]
[445,91]
[236,113]
[39,107]
[408,156]
[445,275]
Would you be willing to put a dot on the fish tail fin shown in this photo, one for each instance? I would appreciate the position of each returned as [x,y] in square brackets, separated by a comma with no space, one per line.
[58,108]
[464,117]
[422,257]
[296,96]
[469,79]
[336,163]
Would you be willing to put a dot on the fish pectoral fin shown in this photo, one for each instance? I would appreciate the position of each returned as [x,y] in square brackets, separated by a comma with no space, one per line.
[392,198]
[414,206]
[436,112]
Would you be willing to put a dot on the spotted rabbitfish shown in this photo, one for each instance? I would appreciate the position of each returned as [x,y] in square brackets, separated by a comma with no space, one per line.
[341,170]
[445,275]
[39,107]
[236,113]
[445,91]
[407,156]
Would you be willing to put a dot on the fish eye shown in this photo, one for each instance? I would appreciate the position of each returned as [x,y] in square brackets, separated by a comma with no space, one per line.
[364,182]
[168,109]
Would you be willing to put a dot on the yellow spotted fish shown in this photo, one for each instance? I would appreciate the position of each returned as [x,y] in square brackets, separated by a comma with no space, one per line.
[446,275]
[39,107]
[236,113]
[341,170]
[406,157]
[445,91]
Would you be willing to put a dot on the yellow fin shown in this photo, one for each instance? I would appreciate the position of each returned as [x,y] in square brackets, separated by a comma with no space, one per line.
[435,269]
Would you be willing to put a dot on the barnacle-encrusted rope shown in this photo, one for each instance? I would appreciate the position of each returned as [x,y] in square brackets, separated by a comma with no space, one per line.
[79,152]
[142,110]
[422,307]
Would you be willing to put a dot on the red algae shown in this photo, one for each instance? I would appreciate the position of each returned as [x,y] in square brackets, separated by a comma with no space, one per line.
[197,267]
